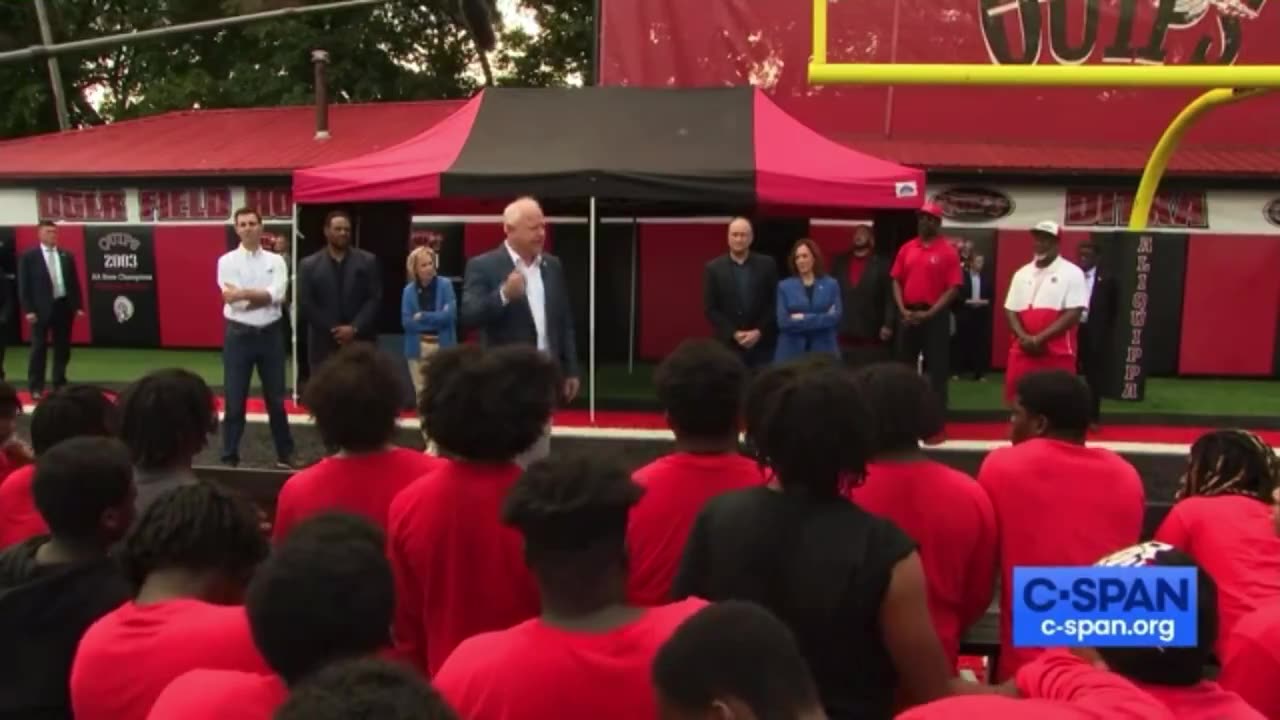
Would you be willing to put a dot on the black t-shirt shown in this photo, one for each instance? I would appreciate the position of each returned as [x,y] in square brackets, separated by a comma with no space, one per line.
[822,567]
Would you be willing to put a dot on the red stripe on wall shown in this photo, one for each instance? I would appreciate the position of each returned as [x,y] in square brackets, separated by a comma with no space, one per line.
[187,299]
[71,239]
[671,259]
[480,238]
[832,240]
[1229,305]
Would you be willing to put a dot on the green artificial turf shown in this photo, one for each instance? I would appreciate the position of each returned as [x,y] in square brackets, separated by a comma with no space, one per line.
[1175,396]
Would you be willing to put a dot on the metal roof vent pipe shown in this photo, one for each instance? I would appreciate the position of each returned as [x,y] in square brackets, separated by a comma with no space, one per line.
[320,59]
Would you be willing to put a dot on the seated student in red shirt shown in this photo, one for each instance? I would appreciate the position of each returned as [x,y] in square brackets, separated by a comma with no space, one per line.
[1251,654]
[459,571]
[1056,686]
[700,387]
[65,413]
[13,452]
[365,689]
[1047,297]
[1222,518]
[190,556]
[1175,675]
[166,419]
[958,546]
[849,584]
[734,661]
[326,594]
[52,588]
[588,655]
[355,399]
[1057,502]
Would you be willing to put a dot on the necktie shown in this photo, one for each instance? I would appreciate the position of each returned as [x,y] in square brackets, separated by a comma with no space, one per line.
[55,272]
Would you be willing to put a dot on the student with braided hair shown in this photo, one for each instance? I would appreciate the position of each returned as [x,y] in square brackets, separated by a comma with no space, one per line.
[588,655]
[1222,518]
[189,557]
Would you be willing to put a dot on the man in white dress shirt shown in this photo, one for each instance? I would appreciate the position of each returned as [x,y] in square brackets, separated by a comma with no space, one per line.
[254,283]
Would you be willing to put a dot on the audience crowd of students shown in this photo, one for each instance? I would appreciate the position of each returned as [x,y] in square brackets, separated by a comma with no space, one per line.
[823,566]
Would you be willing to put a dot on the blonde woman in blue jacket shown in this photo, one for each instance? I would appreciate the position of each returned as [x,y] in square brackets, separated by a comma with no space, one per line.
[808,306]
[428,312]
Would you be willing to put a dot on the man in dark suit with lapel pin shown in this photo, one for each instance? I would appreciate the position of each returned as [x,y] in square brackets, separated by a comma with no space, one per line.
[516,294]
[974,319]
[340,290]
[739,292]
[49,291]
[1096,324]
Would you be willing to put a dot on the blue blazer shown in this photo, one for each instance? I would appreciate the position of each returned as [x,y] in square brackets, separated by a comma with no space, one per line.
[442,322]
[816,333]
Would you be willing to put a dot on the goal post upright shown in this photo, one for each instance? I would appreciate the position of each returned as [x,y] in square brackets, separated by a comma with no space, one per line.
[1234,83]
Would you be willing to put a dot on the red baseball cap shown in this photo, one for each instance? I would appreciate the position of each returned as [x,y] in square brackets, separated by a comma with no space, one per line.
[932,208]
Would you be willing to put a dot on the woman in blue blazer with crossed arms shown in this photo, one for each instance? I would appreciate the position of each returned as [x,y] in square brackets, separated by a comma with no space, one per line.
[428,312]
[808,306]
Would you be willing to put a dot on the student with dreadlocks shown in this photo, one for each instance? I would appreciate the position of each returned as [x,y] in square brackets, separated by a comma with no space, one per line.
[588,655]
[1251,653]
[1222,518]
[166,419]
[53,587]
[190,557]
[459,571]
[850,585]
[325,595]
[903,485]
[65,413]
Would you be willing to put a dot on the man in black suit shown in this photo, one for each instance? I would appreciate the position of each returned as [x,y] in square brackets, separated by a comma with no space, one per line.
[1096,324]
[739,291]
[49,291]
[973,319]
[517,294]
[340,290]
[867,296]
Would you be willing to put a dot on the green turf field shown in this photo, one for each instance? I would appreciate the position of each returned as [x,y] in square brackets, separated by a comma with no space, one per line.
[1166,396]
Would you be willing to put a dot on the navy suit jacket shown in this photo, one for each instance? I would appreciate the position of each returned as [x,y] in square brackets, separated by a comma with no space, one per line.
[816,332]
[35,287]
[512,324]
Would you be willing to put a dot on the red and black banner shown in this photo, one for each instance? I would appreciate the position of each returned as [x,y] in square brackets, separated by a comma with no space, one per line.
[120,264]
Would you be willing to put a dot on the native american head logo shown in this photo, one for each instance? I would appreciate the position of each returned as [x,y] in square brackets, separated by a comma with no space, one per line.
[122,308]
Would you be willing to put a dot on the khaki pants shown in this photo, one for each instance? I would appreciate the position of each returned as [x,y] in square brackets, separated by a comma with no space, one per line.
[416,365]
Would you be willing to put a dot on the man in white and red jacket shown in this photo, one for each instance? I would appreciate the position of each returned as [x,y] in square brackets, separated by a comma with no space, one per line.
[1046,300]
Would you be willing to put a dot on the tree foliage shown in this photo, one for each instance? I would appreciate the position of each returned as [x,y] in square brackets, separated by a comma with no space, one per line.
[401,50]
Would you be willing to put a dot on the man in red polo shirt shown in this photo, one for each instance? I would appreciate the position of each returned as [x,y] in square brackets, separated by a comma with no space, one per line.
[926,278]
[1046,299]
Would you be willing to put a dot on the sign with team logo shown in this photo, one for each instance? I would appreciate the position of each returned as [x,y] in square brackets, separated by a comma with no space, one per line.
[1271,212]
[974,205]
[120,265]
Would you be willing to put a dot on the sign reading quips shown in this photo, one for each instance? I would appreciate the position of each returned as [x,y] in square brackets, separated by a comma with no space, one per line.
[121,266]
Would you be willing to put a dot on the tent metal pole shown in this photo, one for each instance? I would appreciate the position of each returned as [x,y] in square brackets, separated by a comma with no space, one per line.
[631,334]
[591,317]
[293,305]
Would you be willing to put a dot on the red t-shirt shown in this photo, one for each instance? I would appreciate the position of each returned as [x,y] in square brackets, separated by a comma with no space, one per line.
[676,488]
[1233,539]
[1057,503]
[363,485]
[925,272]
[459,571]
[1202,701]
[534,671]
[19,518]
[857,265]
[957,547]
[1251,660]
[128,657]
[220,695]
[1058,686]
